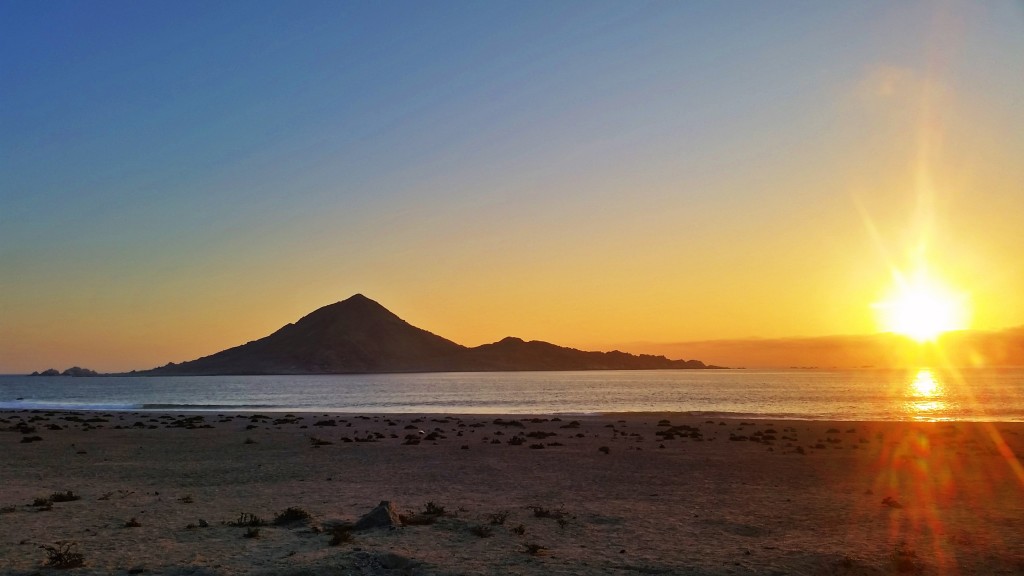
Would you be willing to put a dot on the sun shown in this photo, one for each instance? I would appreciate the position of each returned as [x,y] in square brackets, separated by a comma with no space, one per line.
[922,308]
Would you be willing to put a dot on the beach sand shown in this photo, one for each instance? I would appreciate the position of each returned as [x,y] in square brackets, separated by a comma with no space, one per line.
[612,494]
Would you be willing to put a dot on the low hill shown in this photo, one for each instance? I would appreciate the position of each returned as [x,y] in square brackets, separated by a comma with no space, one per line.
[515,354]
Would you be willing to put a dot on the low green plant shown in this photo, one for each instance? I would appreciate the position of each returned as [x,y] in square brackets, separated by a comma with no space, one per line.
[541,512]
[905,560]
[246,519]
[290,516]
[432,509]
[66,496]
[534,549]
[63,554]
[482,531]
[498,518]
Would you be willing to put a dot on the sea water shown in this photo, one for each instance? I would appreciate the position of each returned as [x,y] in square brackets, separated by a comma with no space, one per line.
[919,394]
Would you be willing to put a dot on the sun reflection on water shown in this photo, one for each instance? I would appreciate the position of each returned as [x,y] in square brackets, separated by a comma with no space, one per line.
[927,397]
[925,385]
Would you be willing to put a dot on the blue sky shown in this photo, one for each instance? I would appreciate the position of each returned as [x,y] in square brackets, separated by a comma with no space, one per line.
[168,165]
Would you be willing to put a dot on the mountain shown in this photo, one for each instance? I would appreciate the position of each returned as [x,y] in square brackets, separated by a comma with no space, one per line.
[359,335]
[355,335]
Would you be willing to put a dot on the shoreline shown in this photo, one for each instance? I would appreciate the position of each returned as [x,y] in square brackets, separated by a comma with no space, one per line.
[248,411]
[633,492]
[789,395]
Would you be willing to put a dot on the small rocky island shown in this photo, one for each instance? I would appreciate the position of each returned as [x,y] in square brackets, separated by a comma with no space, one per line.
[75,371]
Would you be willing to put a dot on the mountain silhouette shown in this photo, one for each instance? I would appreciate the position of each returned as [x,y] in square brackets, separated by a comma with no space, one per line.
[359,335]
[515,354]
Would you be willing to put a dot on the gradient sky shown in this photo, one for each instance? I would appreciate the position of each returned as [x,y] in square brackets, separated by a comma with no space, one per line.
[181,177]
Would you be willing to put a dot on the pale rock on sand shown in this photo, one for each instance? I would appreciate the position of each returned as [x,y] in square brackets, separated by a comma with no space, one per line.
[383,516]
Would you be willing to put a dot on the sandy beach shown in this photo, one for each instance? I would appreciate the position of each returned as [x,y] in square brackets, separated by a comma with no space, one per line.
[188,493]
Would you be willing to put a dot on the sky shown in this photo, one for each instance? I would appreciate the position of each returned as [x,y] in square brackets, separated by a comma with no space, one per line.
[180,177]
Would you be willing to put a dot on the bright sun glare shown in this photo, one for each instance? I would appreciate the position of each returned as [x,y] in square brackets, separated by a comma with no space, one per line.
[923,308]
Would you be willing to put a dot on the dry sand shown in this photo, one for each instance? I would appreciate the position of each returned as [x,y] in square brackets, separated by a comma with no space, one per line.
[789,498]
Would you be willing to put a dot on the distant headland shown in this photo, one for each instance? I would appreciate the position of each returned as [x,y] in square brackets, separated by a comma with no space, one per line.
[359,336]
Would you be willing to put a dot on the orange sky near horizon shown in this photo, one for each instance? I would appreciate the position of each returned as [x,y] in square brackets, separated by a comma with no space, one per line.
[641,177]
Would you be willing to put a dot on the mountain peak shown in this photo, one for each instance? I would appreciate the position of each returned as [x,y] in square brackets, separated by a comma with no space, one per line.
[357,309]
[358,301]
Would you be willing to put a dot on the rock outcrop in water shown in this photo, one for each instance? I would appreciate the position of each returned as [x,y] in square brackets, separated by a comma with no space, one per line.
[73,371]
[359,335]
[47,372]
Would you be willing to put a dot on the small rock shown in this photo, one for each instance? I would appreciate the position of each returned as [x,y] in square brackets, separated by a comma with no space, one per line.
[383,516]
[891,502]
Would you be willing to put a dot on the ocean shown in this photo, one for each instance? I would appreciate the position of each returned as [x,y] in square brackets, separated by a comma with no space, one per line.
[869,394]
